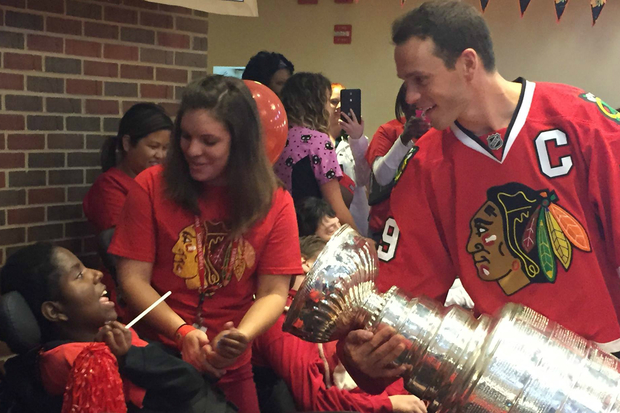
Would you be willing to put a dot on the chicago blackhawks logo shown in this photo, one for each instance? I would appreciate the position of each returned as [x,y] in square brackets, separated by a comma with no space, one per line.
[607,110]
[404,162]
[519,235]
[223,257]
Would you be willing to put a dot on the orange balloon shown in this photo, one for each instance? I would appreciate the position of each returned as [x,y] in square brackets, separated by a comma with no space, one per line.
[272,118]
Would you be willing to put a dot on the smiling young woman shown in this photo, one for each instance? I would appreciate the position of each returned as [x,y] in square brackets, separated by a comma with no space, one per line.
[216,229]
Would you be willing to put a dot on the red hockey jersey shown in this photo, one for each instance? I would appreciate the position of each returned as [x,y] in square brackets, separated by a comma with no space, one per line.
[529,214]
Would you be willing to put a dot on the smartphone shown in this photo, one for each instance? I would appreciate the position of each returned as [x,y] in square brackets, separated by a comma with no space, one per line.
[351,99]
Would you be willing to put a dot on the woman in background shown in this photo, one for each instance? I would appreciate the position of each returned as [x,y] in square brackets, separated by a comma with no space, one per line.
[142,141]
[308,165]
[351,144]
[269,68]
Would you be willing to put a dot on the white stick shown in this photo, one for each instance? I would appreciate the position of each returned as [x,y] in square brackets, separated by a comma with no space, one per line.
[145,312]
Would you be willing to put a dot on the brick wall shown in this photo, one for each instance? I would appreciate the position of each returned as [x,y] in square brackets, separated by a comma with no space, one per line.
[70,69]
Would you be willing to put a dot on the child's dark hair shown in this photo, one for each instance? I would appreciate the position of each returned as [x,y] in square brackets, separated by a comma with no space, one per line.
[32,271]
[310,211]
[311,246]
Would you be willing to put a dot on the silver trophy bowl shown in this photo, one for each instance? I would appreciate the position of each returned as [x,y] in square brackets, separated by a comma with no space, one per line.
[517,361]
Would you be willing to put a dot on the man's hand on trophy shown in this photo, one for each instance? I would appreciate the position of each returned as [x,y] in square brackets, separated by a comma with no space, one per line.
[407,404]
[369,358]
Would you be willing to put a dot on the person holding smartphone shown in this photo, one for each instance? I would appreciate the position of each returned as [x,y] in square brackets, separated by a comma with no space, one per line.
[308,165]
[347,134]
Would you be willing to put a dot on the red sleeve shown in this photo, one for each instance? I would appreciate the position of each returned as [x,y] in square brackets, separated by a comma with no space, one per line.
[281,255]
[104,201]
[134,237]
[603,156]
[298,363]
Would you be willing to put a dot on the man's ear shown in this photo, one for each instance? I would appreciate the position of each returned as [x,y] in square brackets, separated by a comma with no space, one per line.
[52,311]
[469,62]
[126,143]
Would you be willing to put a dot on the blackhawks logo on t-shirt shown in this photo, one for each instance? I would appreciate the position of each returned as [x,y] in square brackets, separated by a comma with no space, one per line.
[404,162]
[223,256]
[519,235]
[605,109]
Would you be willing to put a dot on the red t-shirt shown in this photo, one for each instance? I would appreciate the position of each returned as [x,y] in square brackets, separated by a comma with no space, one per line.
[381,143]
[55,366]
[526,215]
[154,229]
[104,201]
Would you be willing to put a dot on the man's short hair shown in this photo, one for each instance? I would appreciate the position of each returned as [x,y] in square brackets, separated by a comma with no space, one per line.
[452,25]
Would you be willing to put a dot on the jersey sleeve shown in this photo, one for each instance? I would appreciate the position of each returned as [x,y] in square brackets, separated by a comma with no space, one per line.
[602,155]
[379,145]
[135,234]
[281,254]
[324,159]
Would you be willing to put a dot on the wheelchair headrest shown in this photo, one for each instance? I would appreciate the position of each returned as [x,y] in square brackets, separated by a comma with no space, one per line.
[18,326]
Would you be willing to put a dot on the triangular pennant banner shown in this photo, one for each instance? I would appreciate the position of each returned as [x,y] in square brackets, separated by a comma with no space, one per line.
[523,4]
[484,4]
[560,5]
[597,7]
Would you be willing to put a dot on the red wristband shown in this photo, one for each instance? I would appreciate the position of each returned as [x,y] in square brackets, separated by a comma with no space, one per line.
[181,333]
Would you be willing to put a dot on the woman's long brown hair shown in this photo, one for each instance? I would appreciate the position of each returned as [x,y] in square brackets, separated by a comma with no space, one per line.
[249,175]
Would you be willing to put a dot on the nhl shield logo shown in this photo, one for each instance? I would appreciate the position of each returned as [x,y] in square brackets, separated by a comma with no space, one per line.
[495,141]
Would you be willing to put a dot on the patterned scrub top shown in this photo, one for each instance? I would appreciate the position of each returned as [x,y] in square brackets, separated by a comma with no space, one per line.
[308,161]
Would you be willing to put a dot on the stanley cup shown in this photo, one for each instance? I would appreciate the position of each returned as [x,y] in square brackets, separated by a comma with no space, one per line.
[518,361]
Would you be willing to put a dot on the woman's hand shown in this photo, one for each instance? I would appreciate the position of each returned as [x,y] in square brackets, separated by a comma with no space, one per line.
[227,346]
[231,342]
[194,351]
[116,337]
[351,126]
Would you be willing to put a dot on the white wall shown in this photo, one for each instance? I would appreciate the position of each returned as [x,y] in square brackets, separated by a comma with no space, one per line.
[534,46]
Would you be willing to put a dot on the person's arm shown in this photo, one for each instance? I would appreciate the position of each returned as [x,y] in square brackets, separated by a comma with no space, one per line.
[362,168]
[232,341]
[359,144]
[385,167]
[602,155]
[165,377]
[299,364]
[135,280]
[271,297]
[327,172]
[331,193]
